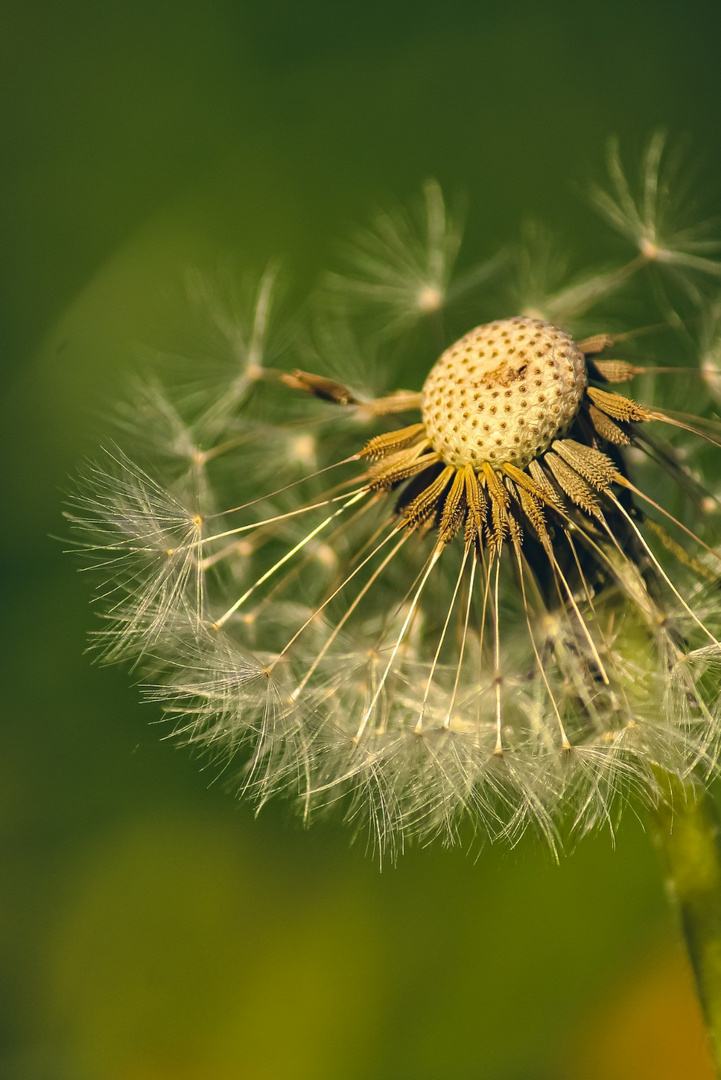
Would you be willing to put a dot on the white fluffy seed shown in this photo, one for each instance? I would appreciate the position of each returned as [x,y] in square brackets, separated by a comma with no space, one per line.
[503,393]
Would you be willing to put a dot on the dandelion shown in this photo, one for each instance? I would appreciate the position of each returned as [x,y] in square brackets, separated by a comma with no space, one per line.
[491,611]
[483,604]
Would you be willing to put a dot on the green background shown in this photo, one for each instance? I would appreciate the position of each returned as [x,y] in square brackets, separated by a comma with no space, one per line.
[150,927]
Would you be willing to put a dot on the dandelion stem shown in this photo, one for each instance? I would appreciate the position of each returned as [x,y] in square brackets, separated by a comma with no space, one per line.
[688,833]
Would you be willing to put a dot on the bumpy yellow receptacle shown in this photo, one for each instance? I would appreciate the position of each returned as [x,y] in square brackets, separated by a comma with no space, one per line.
[503,393]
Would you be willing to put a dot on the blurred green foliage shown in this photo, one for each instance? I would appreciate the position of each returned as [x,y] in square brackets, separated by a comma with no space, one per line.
[150,928]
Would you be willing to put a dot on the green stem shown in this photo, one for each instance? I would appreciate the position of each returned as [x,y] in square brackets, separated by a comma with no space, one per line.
[688,832]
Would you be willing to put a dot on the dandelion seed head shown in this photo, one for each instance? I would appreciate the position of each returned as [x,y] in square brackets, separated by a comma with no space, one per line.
[489,606]
[503,392]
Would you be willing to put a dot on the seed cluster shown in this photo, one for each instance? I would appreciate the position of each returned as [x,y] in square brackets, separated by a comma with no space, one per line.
[503,393]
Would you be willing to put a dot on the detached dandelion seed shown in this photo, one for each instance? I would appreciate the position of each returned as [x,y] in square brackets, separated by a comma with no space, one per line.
[490,602]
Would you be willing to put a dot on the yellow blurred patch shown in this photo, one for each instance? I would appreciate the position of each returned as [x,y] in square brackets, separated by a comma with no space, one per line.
[647,1028]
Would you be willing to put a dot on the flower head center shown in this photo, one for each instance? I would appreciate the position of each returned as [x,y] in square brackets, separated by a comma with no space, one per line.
[503,393]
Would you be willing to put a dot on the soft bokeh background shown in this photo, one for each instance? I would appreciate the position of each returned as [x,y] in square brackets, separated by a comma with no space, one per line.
[150,927]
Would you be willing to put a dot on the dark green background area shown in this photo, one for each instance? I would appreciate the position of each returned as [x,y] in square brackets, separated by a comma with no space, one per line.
[150,927]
